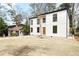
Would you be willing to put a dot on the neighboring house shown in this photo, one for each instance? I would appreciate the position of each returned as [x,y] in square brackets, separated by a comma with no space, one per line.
[55,23]
[15,29]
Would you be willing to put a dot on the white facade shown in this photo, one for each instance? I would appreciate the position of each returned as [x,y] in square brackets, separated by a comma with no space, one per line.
[62,24]
[34,26]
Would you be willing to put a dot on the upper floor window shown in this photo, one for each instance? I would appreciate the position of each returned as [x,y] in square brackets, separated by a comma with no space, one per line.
[44,20]
[31,29]
[31,22]
[38,21]
[54,29]
[54,17]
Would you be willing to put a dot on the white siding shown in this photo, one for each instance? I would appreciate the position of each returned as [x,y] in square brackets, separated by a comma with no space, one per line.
[67,22]
[34,26]
[62,27]
[62,24]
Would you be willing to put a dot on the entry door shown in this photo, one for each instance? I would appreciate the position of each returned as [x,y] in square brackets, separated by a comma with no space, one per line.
[44,30]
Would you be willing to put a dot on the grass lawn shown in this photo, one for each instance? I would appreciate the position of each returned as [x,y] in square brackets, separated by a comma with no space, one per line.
[25,46]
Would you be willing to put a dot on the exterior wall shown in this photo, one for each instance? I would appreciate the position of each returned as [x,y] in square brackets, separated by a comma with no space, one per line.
[14,29]
[67,23]
[34,26]
[42,24]
[62,24]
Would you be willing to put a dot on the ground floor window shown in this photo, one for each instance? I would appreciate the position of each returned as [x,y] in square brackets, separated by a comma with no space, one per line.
[55,29]
[38,29]
[31,29]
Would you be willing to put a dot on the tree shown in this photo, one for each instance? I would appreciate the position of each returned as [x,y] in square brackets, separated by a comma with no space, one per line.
[3,27]
[76,18]
[5,10]
[15,16]
[17,19]
[70,11]
[65,5]
[39,8]
[26,28]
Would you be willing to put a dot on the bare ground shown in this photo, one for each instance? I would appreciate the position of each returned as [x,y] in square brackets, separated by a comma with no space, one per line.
[36,46]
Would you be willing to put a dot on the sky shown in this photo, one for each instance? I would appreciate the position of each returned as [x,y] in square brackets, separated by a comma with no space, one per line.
[24,7]
[20,7]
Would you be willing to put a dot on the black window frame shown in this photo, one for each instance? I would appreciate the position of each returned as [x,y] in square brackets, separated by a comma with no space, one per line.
[31,22]
[54,17]
[38,21]
[38,29]
[44,20]
[31,29]
[55,29]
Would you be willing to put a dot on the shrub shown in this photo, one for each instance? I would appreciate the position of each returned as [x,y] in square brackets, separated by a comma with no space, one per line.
[13,34]
[26,29]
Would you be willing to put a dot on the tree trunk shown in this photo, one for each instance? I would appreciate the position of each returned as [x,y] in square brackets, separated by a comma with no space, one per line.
[73,28]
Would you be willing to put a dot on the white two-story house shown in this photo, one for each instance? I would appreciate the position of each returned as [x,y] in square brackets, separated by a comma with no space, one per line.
[55,23]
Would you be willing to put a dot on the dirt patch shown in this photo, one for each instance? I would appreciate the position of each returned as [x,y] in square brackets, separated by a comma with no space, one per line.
[35,46]
[24,50]
[77,38]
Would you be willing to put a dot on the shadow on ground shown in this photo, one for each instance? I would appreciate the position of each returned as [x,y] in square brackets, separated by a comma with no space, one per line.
[21,51]
[24,50]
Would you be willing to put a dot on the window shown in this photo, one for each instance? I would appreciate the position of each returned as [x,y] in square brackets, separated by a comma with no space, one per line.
[38,21]
[44,20]
[37,29]
[55,29]
[31,29]
[31,22]
[54,17]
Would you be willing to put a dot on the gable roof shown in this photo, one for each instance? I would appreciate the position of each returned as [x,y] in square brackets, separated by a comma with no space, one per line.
[50,12]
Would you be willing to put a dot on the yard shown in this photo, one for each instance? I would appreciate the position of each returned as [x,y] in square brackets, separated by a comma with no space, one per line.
[36,46]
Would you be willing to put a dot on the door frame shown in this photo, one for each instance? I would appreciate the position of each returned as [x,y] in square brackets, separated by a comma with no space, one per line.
[44,30]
